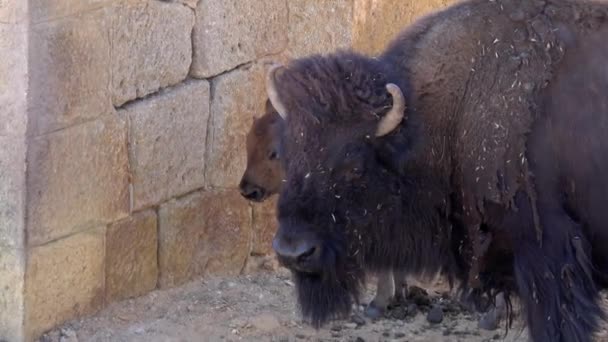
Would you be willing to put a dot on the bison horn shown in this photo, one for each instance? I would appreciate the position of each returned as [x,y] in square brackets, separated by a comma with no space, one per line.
[273,95]
[393,118]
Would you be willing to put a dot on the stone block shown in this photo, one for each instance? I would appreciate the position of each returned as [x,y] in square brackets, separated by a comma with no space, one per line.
[13,11]
[319,26]
[228,33]
[12,191]
[190,3]
[12,268]
[264,226]
[78,178]
[238,96]
[151,47]
[167,142]
[69,72]
[203,233]
[46,10]
[131,258]
[13,79]
[376,23]
[64,280]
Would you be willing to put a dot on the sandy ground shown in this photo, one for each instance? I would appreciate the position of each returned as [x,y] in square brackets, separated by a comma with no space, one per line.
[261,307]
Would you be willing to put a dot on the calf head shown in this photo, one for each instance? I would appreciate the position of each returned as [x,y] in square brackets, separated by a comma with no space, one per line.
[264,174]
[341,203]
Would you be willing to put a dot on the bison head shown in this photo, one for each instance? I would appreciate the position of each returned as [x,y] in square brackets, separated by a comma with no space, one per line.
[263,175]
[342,197]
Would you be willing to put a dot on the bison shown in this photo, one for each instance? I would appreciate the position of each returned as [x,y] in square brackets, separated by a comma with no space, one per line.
[487,118]
[263,178]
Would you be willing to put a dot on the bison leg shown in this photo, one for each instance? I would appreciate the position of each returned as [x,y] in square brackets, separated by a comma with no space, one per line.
[384,293]
[490,319]
[553,279]
[400,286]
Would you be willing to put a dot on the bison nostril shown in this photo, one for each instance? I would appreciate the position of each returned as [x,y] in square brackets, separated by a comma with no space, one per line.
[306,255]
[254,194]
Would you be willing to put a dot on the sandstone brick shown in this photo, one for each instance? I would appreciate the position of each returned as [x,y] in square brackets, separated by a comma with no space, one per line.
[45,10]
[12,268]
[189,3]
[64,280]
[12,191]
[239,95]
[12,11]
[203,233]
[69,72]
[319,26]
[151,47]
[131,259]
[167,141]
[13,79]
[378,22]
[264,226]
[77,178]
[229,33]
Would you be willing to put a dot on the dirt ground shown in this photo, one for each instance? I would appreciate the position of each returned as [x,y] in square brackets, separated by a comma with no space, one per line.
[261,307]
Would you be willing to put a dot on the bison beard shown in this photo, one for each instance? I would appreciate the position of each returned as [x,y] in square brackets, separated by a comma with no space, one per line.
[331,293]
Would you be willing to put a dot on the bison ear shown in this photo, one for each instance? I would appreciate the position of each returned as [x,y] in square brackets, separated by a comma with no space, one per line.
[271,89]
[393,118]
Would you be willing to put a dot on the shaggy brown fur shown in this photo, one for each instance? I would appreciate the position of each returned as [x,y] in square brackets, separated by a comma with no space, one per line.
[480,122]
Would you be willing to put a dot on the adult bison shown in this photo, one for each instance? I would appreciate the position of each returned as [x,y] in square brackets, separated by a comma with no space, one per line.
[263,177]
[406,160]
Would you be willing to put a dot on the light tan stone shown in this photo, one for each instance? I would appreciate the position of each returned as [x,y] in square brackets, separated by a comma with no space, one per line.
[319,26]
[167,142]
[151,47]
[239,95]
[131,259]
[203,233]
[189,3]
[12,191]
[378,22]
[12,268]
[45,10]
[264,226]
[13,79]
[64,279]
[69,72]
[13,11]
[78,178]
[229,33]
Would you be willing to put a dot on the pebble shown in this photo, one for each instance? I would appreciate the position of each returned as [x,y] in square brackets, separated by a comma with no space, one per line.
[358,320]
[412,309]
[68,335]
[435,315]
[265,322]
[360,339]
[139,331]
[350,325]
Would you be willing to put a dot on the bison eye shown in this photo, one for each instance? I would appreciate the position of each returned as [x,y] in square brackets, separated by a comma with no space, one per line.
[273,155]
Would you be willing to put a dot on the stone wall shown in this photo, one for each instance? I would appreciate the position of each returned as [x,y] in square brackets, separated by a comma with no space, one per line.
[130,116]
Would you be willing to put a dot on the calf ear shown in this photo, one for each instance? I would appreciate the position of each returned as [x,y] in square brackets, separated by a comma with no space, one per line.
[268,108]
